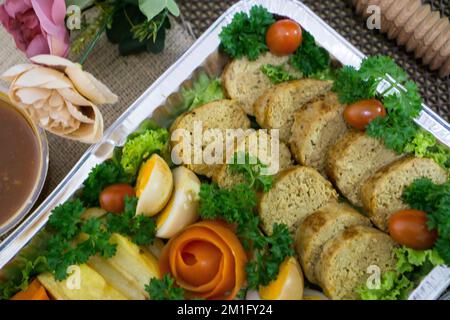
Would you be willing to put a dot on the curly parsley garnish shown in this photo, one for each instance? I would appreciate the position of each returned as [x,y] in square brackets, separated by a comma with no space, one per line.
[141,229]
[352,87]
[253,170]
[164,289]
[75,240]
[309,58]
[270,252]
[245,36]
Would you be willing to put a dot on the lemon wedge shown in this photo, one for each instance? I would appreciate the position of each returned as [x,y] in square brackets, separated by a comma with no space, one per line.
[182,209]
[288,285]
[154,186]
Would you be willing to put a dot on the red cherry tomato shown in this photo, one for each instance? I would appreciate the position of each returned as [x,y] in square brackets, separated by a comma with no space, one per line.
[409,228]
[361,113]
[284,37]
[112,198]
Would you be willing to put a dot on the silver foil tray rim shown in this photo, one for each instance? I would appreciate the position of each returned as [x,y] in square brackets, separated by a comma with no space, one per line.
[154,98]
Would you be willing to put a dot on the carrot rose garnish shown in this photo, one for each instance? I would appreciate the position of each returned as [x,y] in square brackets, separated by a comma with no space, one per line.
[207,260]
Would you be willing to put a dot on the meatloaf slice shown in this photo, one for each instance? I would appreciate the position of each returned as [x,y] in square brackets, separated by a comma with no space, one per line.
[220,115]
[317,127]
[257,144]
[321,226]
[296,193]
[353,159]
[244,81]
[280,103]
[343,264]
[382,193]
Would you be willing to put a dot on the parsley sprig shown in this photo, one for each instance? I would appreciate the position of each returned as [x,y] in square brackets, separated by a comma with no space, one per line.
[74,240]
[141,229]
[245,36]
[253,170]
[352,87]
[269,253]
[233,205]
[434,199]
[309,57]
[164,289]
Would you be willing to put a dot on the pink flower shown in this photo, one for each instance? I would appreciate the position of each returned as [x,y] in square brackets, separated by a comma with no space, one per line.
[37,26]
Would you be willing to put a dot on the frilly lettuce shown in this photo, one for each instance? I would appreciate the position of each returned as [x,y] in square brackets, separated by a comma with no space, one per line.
[425,145]
[412,266]
[409,259]
[393,287]
[142,146]
[204,90]
[277,74]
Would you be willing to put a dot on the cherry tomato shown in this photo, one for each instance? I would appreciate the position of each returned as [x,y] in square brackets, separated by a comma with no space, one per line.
[359,114]
[409,228]
[112,198]
[284,37]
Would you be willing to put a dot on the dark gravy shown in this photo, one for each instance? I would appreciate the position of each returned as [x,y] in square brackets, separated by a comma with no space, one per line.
[19,161]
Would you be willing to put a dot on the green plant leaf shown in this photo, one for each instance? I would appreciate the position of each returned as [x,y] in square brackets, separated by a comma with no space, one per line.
[151,8]
[173,8]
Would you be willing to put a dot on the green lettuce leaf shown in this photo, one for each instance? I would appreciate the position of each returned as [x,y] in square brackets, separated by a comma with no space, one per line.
[203,91]
[408,260]
[141,147]
[425,145]
[393,287]
[411,267]
[277,74]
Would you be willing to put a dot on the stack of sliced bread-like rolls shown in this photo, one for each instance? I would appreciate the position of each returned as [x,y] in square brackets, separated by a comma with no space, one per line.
[335,243]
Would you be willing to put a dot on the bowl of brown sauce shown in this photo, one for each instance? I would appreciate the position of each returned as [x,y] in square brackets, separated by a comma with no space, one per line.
[23,164]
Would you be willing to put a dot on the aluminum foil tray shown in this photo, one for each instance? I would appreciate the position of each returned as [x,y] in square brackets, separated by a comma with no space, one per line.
[162,102]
